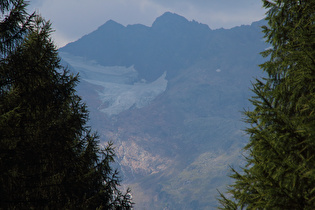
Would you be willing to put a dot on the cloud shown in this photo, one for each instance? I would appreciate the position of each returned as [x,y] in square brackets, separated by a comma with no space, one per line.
[217,13]
[74,18]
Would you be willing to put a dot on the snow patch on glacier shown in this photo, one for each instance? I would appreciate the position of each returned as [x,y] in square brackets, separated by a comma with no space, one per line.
[122,89]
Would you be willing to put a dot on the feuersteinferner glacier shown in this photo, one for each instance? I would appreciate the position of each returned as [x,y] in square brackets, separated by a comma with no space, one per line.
[122,89]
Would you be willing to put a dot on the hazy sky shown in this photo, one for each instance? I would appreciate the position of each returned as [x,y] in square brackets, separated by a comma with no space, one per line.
[72,19]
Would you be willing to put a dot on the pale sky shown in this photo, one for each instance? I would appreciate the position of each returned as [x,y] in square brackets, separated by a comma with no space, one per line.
[71,19]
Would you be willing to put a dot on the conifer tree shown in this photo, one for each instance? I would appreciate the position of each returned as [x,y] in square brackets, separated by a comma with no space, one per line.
[49,158]
[14,23]
[280,170]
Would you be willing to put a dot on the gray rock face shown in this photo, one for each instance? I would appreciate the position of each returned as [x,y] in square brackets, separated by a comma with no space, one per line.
[170,96]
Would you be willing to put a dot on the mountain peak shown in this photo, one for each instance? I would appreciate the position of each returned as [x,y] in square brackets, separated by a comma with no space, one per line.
[111,24]
[169,18]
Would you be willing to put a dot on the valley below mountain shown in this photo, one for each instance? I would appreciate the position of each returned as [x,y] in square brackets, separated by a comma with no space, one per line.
[170,97]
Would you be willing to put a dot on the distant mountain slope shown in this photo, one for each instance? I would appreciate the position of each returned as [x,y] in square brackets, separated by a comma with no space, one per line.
[171,44]
[170,98]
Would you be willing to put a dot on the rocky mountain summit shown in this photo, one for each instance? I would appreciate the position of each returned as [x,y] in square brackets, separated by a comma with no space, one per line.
[170,97]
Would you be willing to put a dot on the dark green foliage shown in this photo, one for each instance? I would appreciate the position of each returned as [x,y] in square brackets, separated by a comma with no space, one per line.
[280,173]
[14,23]
[48,156]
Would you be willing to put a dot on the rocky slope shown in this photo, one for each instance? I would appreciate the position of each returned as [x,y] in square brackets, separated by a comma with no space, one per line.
[170,97]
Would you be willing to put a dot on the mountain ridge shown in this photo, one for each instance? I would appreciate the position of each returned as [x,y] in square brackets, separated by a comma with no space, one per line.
[178,47]
[175,150]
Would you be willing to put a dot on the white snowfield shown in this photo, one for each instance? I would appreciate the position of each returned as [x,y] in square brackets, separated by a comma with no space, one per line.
[122,89]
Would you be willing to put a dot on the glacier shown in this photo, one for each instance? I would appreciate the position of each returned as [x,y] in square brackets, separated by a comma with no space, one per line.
[121,87]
